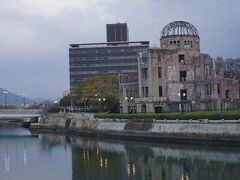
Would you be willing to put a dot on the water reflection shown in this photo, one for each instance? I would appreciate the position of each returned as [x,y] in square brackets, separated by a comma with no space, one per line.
[25,153]
[59,157]
[113,160]
[6,160]
[22,157]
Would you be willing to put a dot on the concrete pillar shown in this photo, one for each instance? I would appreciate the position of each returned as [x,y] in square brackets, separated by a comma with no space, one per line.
[150,107]
[125,106]
[139,108]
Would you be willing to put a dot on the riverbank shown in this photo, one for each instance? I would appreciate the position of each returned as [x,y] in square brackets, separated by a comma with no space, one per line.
[183,133]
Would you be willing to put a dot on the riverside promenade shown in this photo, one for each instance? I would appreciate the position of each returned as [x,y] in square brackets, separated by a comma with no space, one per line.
[203,131]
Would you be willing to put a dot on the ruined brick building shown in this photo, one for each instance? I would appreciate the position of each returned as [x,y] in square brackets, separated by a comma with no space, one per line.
[178,77]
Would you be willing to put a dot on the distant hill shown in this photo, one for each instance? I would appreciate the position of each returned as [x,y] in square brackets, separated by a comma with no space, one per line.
[13,99]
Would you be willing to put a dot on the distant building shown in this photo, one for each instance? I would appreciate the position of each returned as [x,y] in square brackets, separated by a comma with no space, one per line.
[178,77]
[116,57]
[117,32]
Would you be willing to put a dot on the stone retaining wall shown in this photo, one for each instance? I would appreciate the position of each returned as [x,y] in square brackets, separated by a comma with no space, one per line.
[84,125]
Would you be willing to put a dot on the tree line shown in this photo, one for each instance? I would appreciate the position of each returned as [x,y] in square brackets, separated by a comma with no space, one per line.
[230,66]
[98,93]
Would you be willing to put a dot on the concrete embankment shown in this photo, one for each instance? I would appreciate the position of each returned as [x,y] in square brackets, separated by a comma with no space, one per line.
[87,125]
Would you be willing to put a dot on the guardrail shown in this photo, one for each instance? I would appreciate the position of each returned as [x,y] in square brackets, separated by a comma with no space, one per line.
[177,121]
[19,111]
[199,121]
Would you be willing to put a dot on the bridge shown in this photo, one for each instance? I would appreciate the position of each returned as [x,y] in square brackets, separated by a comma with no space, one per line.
[23,116]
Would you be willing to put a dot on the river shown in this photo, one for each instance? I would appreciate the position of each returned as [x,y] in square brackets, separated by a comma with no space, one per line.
[24,156]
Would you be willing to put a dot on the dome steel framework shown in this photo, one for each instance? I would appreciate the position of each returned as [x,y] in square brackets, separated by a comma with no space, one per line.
[179,28]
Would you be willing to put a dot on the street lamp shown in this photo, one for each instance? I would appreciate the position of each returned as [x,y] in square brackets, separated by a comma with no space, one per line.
[5,98]
[131,105]
[182,95]
[24,100]
[101,102]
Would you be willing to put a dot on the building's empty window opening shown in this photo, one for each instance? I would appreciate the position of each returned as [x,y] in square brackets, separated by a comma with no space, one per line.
[174,42]
[144,108]
[159,72]
[185,44]
[160,91]
[159,57]
[181,58]
[170,42]
[218,88]
[183,75]
[146,91]
[144,73]
[178,43]
[143,91]
[183,94]
[227,93]
[208,89]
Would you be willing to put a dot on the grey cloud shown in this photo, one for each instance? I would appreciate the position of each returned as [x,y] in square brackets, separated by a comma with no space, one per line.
[35,50]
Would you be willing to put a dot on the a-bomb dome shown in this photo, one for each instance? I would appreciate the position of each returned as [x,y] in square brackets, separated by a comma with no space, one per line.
[179,28]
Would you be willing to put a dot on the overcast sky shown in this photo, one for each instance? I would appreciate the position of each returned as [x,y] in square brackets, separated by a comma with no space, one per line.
[35,34]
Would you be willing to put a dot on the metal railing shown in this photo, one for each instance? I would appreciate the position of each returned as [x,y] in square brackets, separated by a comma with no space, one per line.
[198,121]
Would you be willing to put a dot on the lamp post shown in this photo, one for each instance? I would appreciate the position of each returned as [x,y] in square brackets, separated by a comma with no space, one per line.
[101,103]
[24,100]
[182,95]
[5,98]
[131,104]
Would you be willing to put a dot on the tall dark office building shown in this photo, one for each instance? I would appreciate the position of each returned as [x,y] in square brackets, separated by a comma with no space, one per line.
[117,32]
[86,60]
[117,56]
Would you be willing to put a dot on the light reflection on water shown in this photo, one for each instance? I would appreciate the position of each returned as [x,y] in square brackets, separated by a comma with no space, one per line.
[24,157]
